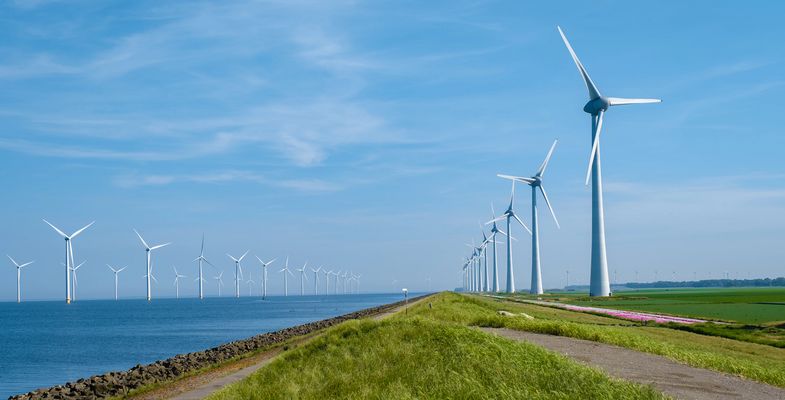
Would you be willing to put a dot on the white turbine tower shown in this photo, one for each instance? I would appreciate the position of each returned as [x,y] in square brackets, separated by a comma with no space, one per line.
[238,272]
[316,280]
[69,255]
[508,215]
[358,282]
[19,277]
[116,271]
[76,281]
[596,107]
[177,277]
[201,259]
[250,287]
[536,183]
[494,230]
[345,276]
[219,282]
[148,250]
[286,271]
[327,278]
[264,275]
[303,278]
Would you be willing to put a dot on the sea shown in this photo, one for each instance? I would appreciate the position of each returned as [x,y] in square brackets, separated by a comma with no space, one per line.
[46,343]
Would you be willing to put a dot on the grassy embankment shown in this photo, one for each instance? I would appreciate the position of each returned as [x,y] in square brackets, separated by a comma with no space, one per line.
[418,355]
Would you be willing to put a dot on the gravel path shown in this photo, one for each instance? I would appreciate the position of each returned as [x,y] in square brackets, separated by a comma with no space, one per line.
[677,380]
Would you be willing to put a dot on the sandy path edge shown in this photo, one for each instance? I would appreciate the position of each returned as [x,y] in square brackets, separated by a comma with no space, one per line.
[677,380]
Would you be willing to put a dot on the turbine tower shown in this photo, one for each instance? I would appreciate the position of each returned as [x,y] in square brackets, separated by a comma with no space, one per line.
[316,280]
[508,215]
[597,106]
[148,250]
[76,281]
[219,282]
[327,278]
[286,271]
[494,230]
[238,272]
[250,287]
[177,277]
[201,259]
[264,275]
[303,278]
[19,277]
[116,271]
[536,183]
[69,256]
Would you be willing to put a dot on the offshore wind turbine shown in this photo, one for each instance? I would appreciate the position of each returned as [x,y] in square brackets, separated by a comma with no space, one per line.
[345,275]
[69,255]
[286,271]
[238,272]
[303,278]
[250,286]
[116,271]
[219,282]
[316,280]
[357,279]
[597,106]
[335,285]
[536,183]
[264,275]
[76,281]
[148,250]
[19,277]
[508,215]
[327,278]
[201,259]
[177,277]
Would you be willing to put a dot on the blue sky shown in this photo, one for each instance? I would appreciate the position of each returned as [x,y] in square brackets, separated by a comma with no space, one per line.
[367,136]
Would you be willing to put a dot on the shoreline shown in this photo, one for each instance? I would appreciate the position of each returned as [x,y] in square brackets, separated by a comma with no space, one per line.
[120,383]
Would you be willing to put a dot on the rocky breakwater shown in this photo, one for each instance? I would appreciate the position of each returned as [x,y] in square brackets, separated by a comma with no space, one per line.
[117,384]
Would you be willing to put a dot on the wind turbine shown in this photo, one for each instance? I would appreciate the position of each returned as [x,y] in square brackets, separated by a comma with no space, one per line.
[76,281]
[327,278]
[148,251]
[69,255]
[201,259]
[264,275]
[250,286]
[596,107]
[219,282]
[286,271]
[345,275]
[358,282]
[238,272]
[536,183]
[492,238]
[508,215]
[303,278]
[116,271]
[316,280]
[19,277]
[177,277]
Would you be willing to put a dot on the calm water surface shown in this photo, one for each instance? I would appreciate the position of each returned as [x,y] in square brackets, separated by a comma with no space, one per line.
[44,343]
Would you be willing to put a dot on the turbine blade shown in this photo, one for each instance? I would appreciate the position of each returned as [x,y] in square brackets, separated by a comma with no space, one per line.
[140,238]
[160,245]
[516,178]
[81,230]
[620,101]
[548,202]
[595,145]
[201,252]
[26,264]
[593,91]
[56,229]
[522,224]
[12,260]
[544,165]
[243,256]
[496,220]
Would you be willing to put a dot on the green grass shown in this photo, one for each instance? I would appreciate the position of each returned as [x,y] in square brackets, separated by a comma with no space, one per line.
[750,360]
[416,357]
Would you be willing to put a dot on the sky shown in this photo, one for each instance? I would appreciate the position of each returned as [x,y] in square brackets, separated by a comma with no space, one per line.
[366,136]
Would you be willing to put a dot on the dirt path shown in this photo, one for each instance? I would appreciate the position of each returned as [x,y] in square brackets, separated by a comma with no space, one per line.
[674,379]
[201,386]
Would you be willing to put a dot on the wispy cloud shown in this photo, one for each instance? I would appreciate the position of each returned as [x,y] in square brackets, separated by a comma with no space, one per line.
[230,176]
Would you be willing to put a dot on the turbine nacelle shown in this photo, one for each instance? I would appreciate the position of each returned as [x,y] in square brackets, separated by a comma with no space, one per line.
[594,106]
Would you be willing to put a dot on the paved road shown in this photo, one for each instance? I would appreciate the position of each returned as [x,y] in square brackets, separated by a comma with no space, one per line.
[677,380]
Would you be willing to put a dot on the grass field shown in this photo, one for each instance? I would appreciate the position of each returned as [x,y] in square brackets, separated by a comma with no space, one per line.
[415,357]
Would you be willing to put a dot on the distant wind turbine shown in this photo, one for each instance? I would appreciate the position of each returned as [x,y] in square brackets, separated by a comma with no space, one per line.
[327,278]
[264,275]
[200,278]
[536,183]
[238,272]
[316,280]
[597,106]
[286,271]
[303,278]
[177,277]
[508,215]
[76,281]
[250,287]
[115,271]
[492,238]
[219,282]
[19,277]
[69,255]
[148,250]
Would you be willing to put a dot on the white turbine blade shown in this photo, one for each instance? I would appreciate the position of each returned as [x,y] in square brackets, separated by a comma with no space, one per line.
[243,256]
[75,234]
[290,272]
[12,260]
[271,261]
[56,229]
[201,252]
[282,270]
[496,220]
[620,101]
[121,269]
[240,269]
[522,224]
[548,202]
[595,145]
[26,264]
[140,238]
[160,245]
[209,263]
[541,170]
[516,178]
[230,256]
[593,91]
[175,271]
